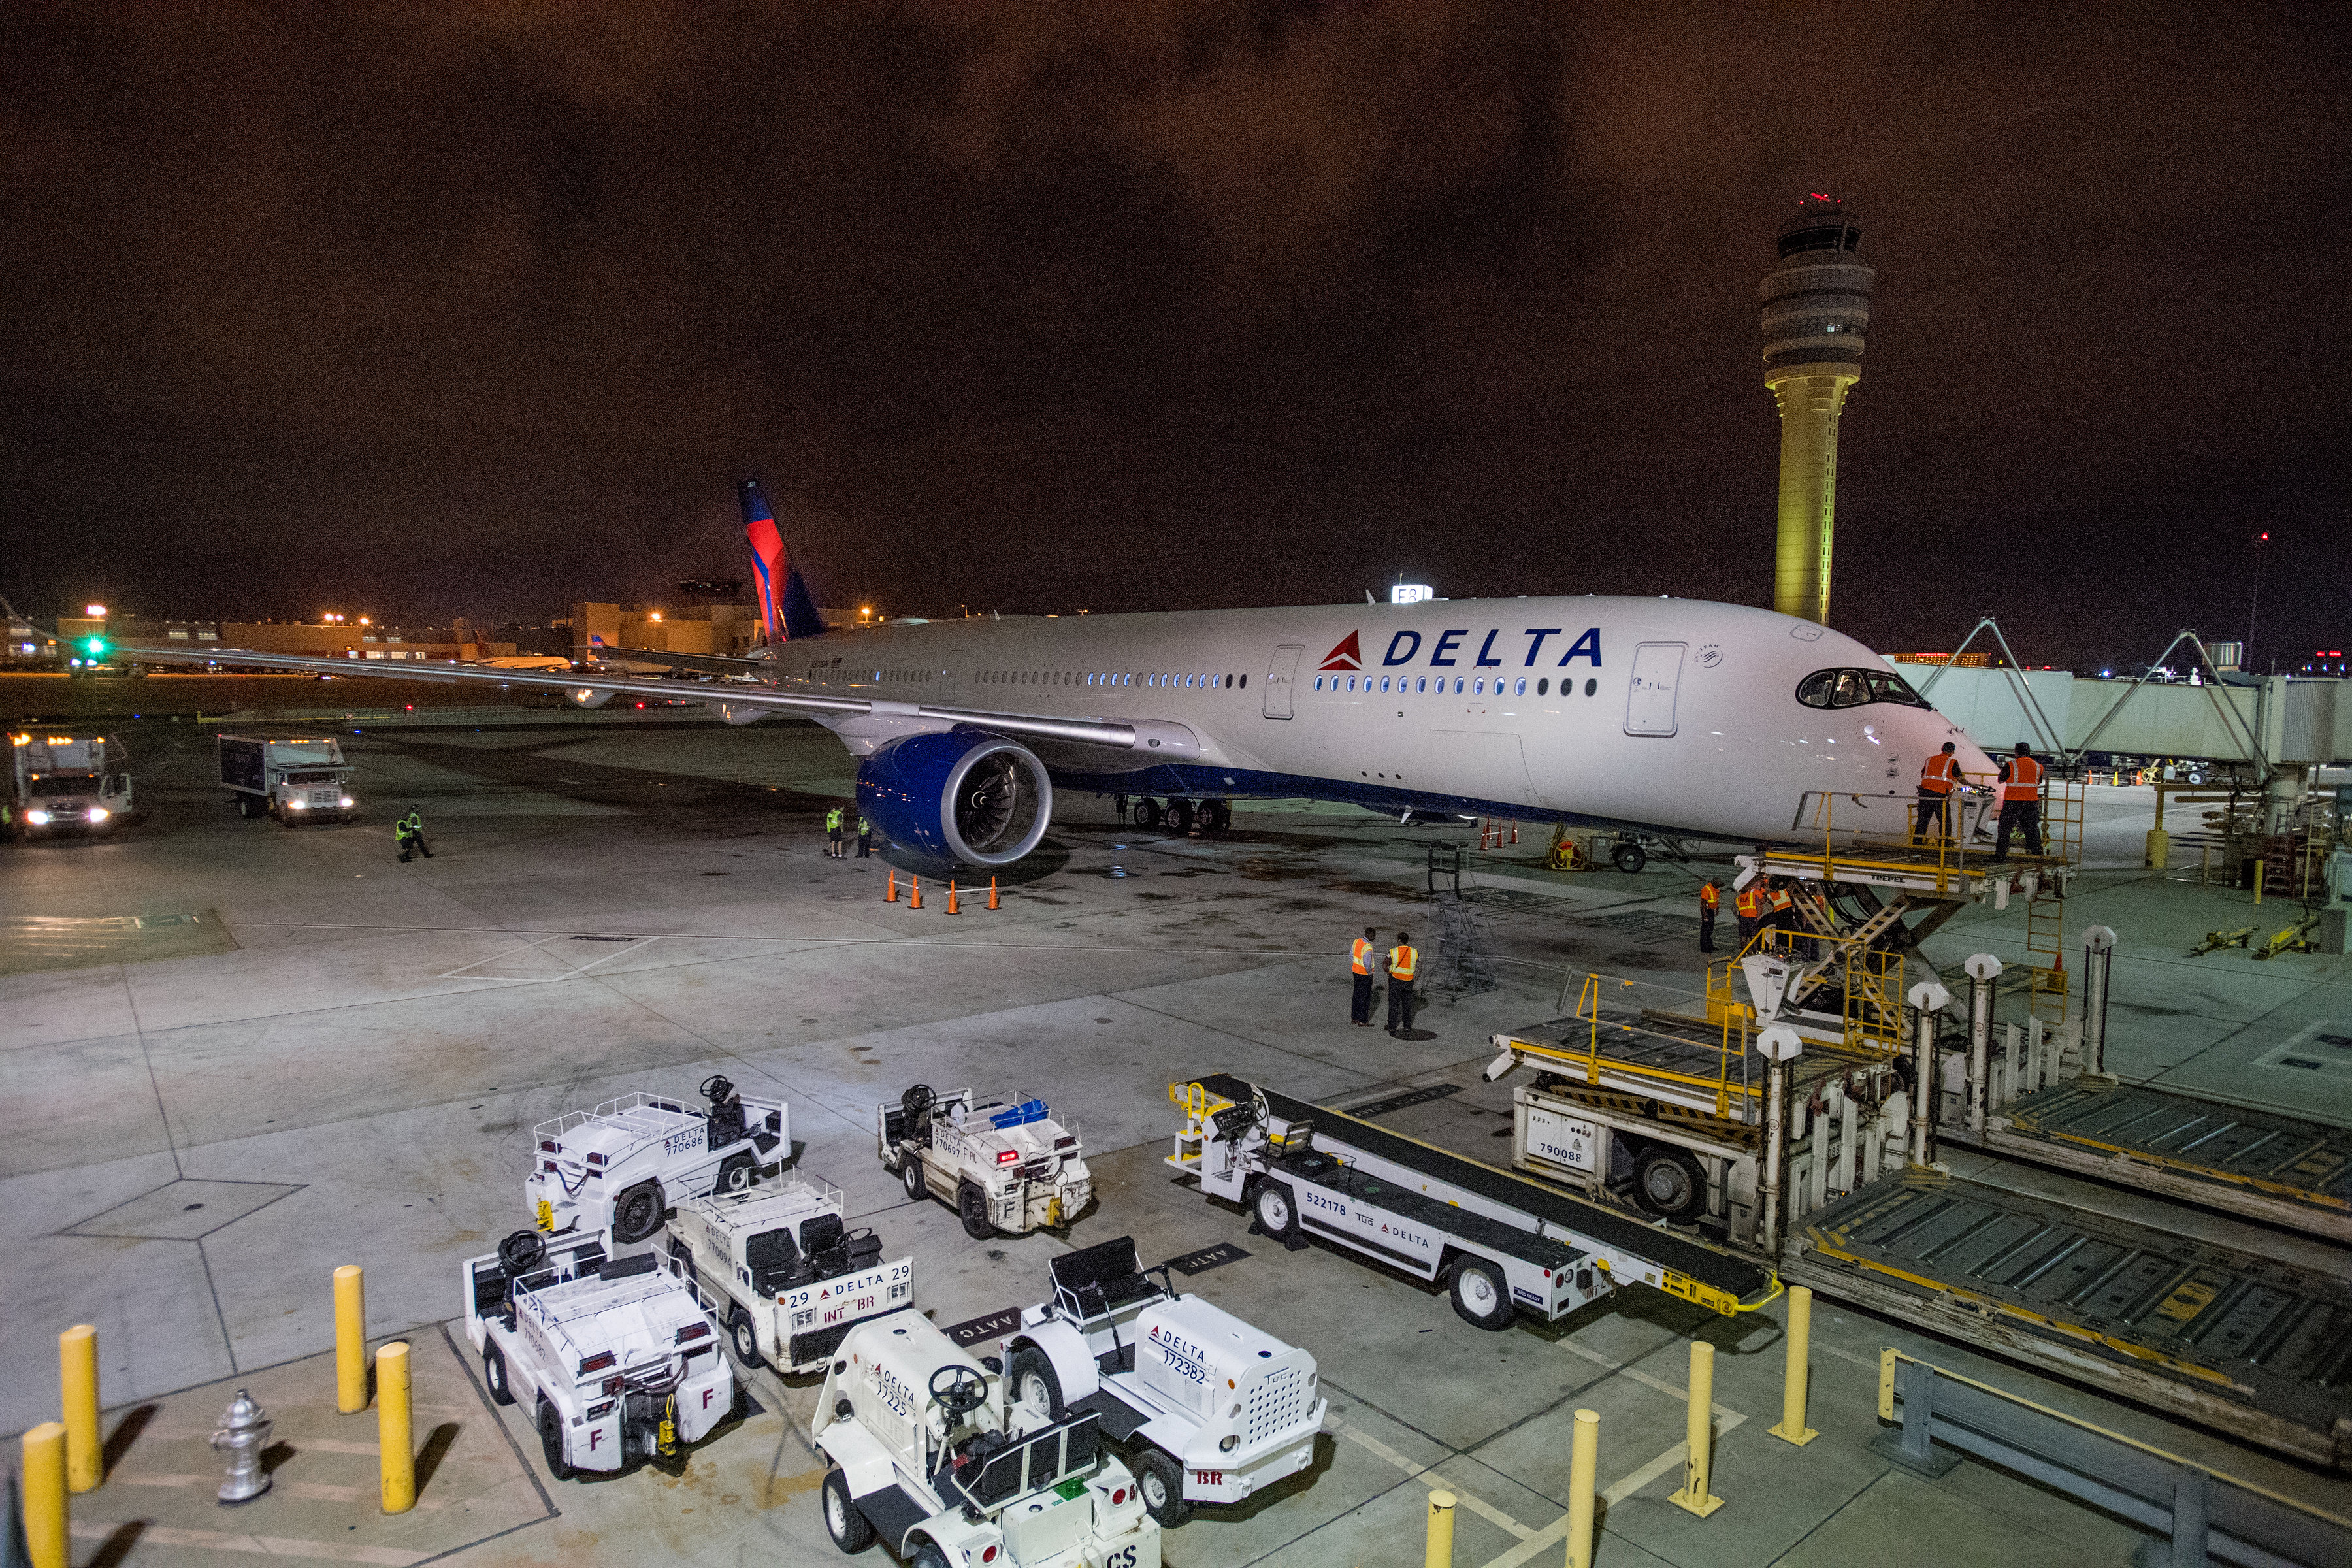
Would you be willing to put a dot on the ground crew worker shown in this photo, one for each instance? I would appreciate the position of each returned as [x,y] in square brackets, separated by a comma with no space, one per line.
[1359,953]
[1936,782]
[2021,802]
[833,833]
[1118,804]
[1780,909]
[409,831]
[1710,899]
[1404,963]
[865,836]
[1748,905]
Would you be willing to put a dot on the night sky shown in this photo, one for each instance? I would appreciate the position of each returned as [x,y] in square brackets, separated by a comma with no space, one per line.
[422,309]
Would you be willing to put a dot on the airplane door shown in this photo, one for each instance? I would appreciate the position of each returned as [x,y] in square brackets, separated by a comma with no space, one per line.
[1281,670]
[1650,704]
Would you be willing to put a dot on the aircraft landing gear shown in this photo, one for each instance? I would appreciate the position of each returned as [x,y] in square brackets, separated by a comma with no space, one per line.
[1147,812]
[1180,817]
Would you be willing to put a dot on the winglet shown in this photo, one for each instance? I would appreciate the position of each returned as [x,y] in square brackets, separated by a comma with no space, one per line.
[785,607]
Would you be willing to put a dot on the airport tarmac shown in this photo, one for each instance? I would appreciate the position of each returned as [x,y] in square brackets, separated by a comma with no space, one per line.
[237,1055]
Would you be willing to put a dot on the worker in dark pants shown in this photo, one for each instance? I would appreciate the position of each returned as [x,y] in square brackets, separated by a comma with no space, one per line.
[1936,781]
[1404,963]
[833,833]
[2021,802]
[1118,804]
[1747,904]
[1360,955]
[409,831]
[1710,899]
[865,836]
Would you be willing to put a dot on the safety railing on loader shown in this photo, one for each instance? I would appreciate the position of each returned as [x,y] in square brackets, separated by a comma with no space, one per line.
[1593,1060]
[1870,984]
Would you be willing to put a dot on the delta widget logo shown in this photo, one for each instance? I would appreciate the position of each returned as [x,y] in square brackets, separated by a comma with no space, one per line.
[1349,655]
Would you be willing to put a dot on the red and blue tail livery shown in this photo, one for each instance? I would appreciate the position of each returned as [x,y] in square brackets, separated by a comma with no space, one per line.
[786,609]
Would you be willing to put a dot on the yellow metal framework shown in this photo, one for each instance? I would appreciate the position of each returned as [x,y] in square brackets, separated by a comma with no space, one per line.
[1871,996]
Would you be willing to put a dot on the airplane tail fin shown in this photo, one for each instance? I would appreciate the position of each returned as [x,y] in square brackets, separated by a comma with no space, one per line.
[786,609]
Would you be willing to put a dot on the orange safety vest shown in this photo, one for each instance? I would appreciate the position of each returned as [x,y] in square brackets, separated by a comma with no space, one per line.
[1780,898]
[1749,901]
[1404,963]
[1708,897]
[1362,956]
[1942,771]
[2024,782]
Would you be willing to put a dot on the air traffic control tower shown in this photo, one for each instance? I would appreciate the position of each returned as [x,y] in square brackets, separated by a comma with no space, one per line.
[1816,308]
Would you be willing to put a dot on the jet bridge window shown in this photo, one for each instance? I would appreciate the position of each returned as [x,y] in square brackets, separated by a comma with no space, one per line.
[1855,688]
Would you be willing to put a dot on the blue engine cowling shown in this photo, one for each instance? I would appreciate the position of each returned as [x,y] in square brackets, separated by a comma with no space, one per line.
[960,794]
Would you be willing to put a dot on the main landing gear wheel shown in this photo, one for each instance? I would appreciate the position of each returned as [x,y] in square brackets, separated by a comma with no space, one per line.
[842,1521]
[1669,1183]
[1147,812]
[1035,1381]
[972,1207]
[1216,817]
[1629,858]
[1180,817]
[1161,1480]
[1479,1294]
[638,1214]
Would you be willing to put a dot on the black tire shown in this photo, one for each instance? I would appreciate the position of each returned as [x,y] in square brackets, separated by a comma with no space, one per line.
[1277,1211]
[1481,1295]
[286,818]
[1033,1381]
[911,1175]
[745,1335]
[1669,1183]
[1148,812]
[551,1442]
[248,807]
[1216,817]
[494,1375]
[638,1214]
[927,1555]
[972,1207]
[1180,817]
[736,1175]
[849,1528]
[1159,1481]
[1629,858]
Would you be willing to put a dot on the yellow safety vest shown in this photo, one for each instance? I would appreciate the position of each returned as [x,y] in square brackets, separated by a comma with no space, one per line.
[833,820]
[1361,955]
[1404,963]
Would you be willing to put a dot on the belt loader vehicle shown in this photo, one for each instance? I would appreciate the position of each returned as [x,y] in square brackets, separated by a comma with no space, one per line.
[927,1451]
[1006,1164]
[782,1273]
[65,783]
[1500,1242]
[1209,1408]
[612,1356]
[625,1164]
[295,781]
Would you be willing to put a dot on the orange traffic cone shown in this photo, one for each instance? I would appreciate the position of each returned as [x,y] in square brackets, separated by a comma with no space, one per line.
[951,899]
[892,896]
[917,902]
[1515,833]
[992,892]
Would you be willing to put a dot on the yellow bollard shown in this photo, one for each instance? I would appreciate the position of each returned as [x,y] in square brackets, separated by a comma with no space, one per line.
[2260,867]
[1441,1531]
[1793,1385]
[351,1339]
[395,1457]
[78,1377]
[1583,1459]
[44,1495]
[1700,1430]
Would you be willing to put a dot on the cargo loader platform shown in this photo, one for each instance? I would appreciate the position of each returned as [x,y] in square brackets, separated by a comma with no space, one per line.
[2244,1344]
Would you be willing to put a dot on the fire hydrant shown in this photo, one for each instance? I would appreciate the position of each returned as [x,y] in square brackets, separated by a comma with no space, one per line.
[244,1432]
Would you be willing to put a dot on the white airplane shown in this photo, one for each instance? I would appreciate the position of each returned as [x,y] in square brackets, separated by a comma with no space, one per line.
[1662,718]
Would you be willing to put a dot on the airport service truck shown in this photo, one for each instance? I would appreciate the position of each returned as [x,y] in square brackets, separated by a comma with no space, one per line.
[611,1355]
[926,1450]
[65,783]
[295,781]
[625,1164]
[783,1272]
[1208,1407]
[1005,1164]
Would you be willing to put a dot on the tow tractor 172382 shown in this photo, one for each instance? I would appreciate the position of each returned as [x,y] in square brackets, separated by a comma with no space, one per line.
[1004,1164]
[612,1356]
[626,1164]
[1208,1407]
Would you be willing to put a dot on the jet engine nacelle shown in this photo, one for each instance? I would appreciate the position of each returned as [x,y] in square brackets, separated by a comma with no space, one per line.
[958,794]
[587,695]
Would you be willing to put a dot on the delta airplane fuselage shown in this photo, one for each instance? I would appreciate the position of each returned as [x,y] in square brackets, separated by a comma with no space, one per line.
[1668,716]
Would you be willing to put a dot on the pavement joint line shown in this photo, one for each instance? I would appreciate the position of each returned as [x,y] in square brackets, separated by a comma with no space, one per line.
[1844,1355]
[1618,1492]
[1412,1470]
[260,1545]
[1649,1380]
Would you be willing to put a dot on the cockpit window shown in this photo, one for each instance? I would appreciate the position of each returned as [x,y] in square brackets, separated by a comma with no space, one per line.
[1854,687]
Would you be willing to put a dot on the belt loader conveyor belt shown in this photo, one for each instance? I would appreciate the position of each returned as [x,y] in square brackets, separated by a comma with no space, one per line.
[1733,1277]
[2241,1344]
[2278,1169]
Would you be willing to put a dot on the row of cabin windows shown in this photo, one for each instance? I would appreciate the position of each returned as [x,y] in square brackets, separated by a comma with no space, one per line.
[1419,686]
[1104,677]
[851,677]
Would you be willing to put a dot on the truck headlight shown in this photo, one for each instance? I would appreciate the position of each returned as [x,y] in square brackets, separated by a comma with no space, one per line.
[97,814]
[37,819]
[297,805]
[349,802]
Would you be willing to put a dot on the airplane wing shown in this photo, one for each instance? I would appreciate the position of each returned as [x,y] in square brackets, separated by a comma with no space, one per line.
[703,663]
[1168,741]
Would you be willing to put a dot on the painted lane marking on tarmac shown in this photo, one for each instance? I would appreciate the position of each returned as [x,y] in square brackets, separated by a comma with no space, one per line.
[1722,1413]
[261,1545]
[1617,1492]
[573,970]
[316,1491]
[1462,1494]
